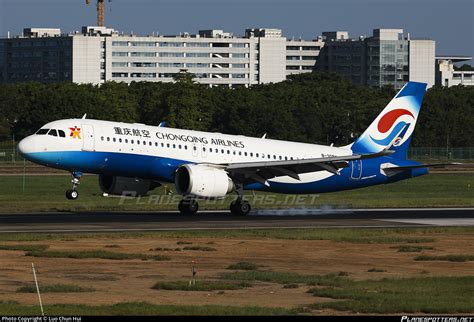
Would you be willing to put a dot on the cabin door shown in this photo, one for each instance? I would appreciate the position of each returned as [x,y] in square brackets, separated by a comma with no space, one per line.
[88,139]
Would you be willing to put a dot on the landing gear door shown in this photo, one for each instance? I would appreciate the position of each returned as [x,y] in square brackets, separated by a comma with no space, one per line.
[88,138]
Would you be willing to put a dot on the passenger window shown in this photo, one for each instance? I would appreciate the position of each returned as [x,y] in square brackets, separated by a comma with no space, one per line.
[42,131]
[167,145]
[240,152]
[144,142]
[120,140]
[233,152]
[102,138]
[61,133]
[256,155]
[269,156]
[210,149]
[131,141]
[174,146]
[53,132]
[203,148]
[108,139]
[156,144]
[251,154]
[113,139]
[228,151]
[138,141]
[162,145]
[185,147]
[126,140]
[280,157]
[245,153]
[222,151]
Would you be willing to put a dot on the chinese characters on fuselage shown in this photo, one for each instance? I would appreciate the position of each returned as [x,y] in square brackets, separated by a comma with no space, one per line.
[179,137]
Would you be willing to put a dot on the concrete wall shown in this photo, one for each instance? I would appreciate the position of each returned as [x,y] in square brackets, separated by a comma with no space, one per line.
[422,61]
[86,58]
[272,53]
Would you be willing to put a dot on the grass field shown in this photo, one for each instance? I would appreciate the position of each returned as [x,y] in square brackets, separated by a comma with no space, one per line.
[46,193]
[200,286]
[409,295]
[138,309]
[339,235]
[55,288]
[249,272]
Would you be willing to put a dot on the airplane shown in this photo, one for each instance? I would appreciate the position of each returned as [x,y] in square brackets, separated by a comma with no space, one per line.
[138,158]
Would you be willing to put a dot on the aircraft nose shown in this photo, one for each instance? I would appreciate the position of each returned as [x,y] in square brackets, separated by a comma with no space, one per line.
[25,146]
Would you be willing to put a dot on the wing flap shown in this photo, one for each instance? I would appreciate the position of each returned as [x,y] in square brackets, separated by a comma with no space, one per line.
[248,172]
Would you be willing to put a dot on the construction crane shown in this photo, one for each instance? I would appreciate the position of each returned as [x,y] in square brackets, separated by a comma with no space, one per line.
[100,11]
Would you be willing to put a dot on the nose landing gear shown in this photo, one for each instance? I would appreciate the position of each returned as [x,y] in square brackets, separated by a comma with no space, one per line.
[72,194]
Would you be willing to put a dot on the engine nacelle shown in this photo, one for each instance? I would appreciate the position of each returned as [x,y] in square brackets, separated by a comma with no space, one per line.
[114,185]
[202,181]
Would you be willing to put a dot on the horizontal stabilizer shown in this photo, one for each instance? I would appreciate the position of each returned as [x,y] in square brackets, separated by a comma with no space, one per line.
[398,169]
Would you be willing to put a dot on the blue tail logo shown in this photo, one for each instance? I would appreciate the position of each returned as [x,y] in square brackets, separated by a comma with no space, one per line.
[393,127]
[386,123]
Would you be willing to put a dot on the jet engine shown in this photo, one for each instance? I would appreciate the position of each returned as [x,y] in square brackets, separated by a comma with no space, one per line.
[202,181]
[114,185]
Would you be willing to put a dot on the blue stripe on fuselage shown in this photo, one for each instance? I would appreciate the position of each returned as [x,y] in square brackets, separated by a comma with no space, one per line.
[163,169]
[110,163]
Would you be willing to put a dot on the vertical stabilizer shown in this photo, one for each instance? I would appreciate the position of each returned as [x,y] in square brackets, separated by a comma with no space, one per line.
[393,128]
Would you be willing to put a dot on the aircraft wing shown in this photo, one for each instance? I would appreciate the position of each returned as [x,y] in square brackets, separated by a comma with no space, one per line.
[249,172]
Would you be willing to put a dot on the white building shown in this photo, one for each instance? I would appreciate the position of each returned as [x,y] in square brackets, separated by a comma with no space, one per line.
[388,57]
[217,58]
[302,55]
[99,54]
[447,75]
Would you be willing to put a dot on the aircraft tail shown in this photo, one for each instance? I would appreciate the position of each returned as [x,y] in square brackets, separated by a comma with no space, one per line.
[393,128]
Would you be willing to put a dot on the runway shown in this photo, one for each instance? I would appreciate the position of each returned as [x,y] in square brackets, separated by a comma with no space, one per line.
[262,219]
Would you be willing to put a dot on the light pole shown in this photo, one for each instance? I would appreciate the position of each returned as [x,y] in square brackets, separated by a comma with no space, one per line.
[13,140]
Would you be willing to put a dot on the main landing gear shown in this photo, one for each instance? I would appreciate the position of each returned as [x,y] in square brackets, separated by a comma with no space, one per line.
[188,206]
[239,207]
[72,194]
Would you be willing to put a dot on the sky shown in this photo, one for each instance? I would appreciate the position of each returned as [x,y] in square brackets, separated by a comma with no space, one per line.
[449,22]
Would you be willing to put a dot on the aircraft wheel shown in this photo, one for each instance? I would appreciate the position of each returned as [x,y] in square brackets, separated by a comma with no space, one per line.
[72,194]
[188,207]
[240,208]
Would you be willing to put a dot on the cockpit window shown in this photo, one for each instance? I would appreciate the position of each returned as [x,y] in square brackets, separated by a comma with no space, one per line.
[61,133]
[42,131]
[53,132]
